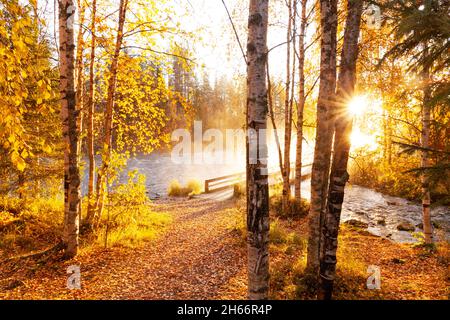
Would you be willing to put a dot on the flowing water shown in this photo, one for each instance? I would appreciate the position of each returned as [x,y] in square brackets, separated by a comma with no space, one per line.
[380,213]
[383,214]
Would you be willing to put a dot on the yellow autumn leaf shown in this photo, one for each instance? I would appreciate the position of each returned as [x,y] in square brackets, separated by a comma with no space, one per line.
[20,164]
[24,154]
[47,149]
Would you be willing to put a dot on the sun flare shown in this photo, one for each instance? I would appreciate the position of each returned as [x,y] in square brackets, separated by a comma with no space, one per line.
[358,105]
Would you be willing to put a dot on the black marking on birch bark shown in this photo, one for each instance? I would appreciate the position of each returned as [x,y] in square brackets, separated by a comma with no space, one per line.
[262,58]
[251,48]
[254,19]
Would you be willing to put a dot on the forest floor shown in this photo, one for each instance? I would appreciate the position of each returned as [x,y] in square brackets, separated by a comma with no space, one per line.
[196,258]
[202,255]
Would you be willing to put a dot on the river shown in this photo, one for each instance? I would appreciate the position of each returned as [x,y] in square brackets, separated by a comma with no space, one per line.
[381,213]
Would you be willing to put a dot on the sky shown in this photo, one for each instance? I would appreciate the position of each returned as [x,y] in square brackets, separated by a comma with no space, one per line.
[218,50]
[216,47]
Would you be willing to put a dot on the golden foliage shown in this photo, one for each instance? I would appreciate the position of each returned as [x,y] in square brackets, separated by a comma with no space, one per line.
[25,85]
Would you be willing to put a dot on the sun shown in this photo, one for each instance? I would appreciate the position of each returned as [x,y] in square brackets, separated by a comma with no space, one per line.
[358,105]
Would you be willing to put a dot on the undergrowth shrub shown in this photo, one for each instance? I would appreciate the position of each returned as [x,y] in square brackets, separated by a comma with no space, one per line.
[239,190]
[195,186]
[29,224]
[397,179]
[297,208]
[192,187]
[128,218]
[35,223]
[351,272]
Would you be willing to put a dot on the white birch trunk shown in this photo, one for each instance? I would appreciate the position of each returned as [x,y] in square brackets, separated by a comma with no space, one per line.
[69,116]
[322,150]
[343,129]
[257,182]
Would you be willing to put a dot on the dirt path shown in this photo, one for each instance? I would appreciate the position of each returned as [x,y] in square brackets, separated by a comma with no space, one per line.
[198,257]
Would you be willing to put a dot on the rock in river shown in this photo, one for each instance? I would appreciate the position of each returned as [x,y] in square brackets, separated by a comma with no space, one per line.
[405,226]
[357,223]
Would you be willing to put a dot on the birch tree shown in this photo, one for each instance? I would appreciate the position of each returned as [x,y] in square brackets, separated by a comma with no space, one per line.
[79,65]
[287,114]
[301,100]
[257,179]
[69,116]
[322,150]
[107,139]
[343,127]
[90,118]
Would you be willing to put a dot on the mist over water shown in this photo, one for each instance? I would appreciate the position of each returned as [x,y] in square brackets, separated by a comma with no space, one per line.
[382,213]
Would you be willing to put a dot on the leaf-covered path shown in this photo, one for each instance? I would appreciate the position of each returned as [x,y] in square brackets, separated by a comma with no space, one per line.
[201,255]
[198,257]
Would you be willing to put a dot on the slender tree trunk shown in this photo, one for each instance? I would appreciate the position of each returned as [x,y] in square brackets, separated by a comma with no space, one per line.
[389,141]
[329,134]
[79,65]
[287,116]
[343,128]
[107,139]
[293,72]
[384,116]
[272,116]
[257,178]
[90,119]
[301,102]
[425,161]
[322,150]
[37,185]
[69,116]
[79,95]
[21,184]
